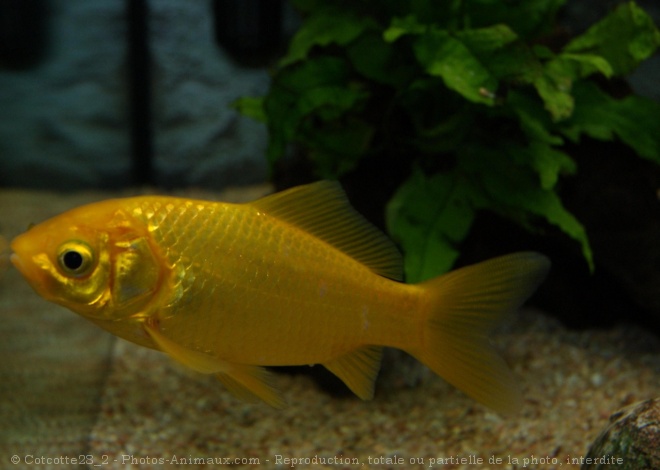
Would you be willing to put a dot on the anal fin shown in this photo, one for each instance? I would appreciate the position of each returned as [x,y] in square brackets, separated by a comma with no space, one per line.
[245,382]
[358,369]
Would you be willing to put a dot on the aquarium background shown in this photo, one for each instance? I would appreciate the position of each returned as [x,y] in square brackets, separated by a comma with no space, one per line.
[109,94]
[106,98]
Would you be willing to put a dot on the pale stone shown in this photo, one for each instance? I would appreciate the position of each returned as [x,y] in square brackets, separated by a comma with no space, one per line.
[65,124]
[199,138]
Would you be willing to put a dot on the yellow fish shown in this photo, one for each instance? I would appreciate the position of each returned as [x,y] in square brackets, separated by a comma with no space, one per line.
[298,277]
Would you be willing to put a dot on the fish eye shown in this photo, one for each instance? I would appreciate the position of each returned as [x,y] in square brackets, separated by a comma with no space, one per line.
[75,258]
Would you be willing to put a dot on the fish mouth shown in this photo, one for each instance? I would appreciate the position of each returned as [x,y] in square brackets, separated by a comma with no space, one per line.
[22,267]
[19,264]
[35,276]
[23,260]
[18,246]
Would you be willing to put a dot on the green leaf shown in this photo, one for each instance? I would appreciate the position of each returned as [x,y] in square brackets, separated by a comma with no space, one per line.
[429,217]
[336,147]
[402,27]
[324,27]
[445,56]
[316,86]
[484,41]
[329,102]
[460,59]
[550,164]
[556,95]
[445,134]
[252,107]
[623,39]
[410,78]
[381,62]
[528,18]
[586,64]
[554,85]
[547,162]
[534,120]
[547,204]
[635,120]
[511,192]
[514,64]
[540,154]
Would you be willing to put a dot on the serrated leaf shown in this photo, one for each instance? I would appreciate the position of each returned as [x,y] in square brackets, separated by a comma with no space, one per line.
[313,86]
[336,147]
[554,84]
[555,91]
[324,27]
[402,26]
[512,192]
[548,205]
[586,64]
[381,62]
[547,162]
[329,102]
[445,134]
[635,120]
[528,18]
[487,40]
[445,56]
[515,63]
[429,217]
[624,38]
[534,120]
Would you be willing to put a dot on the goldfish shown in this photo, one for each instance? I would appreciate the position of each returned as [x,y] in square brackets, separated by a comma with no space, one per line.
[298,277]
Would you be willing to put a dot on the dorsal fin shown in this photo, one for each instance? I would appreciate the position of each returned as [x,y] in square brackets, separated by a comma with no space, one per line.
[322,209]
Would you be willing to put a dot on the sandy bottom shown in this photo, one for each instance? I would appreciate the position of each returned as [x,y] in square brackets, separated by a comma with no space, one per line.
[68,390]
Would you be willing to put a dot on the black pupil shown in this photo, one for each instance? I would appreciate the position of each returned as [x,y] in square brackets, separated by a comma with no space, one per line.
[72,260]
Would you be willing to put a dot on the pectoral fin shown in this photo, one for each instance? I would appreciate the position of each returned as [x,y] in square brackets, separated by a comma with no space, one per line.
[196,360]
[358,370]
[252,383]
[245,382]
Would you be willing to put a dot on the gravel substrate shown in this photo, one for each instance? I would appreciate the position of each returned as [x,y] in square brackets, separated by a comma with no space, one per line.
[68,389]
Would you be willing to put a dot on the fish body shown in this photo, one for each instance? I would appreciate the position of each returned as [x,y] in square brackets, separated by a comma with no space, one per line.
[295,278]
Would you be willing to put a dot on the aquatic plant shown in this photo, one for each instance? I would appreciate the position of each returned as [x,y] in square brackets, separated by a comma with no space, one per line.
[479,98]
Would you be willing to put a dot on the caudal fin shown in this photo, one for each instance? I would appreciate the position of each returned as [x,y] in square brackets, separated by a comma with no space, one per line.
[463,307]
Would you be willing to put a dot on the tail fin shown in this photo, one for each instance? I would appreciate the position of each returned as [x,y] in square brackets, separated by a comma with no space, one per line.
[463,307]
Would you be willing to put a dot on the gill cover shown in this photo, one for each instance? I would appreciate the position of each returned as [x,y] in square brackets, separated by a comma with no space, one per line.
[136,277]
[113,279]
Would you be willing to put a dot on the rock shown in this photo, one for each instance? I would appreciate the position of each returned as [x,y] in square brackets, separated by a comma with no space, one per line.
[64,120]
[198,138]
[615,196]
[633,435]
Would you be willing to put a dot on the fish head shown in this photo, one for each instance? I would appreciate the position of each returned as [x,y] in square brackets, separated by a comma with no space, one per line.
[95,260]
